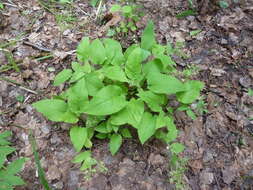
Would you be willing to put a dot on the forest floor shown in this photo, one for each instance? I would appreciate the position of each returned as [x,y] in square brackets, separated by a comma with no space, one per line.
[219,143]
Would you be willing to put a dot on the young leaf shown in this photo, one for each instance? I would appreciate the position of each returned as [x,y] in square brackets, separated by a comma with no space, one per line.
[4,135]
[148,36]
[125,133]
[53,109]
[115,143]
[147,127]
[177,148]
[82,50]
[164,84]
[153,100]
[108,100]
[115,73]
[191,91]
[131,114]
[97,52]
[63,76]
[129,50]
[82,157]
[78,136]
[102,128]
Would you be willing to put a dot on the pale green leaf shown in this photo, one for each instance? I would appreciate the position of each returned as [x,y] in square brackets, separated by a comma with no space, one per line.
[108,100]
[154,101]
[63,76]
[15,166]
[82,50]
[78,96]
[131,114]
[191,91]
[147,127]
[93,83]
[129,50]
[78,136]
[113,52]
[148,37]
[125,133]
[115,8]
[81,157]
[115,73]
[115,143]
[53,109]
[164,84]
[133,65]
[97,52]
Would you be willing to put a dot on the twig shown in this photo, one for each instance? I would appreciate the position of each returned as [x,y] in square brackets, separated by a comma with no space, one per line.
[18,84]
[37,46]
[99,8]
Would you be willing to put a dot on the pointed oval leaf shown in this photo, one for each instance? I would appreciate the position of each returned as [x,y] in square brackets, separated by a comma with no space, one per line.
[97,52]
[53,109]
[78,136]
[82,157]
[115,73]
[148,36]
[164,84]
[82,50]
[147,127]
[177,148]
[108,100]
[63,76]
[115,143]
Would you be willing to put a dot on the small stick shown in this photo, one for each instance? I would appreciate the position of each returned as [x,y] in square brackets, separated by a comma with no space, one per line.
[18,84]
[37,46]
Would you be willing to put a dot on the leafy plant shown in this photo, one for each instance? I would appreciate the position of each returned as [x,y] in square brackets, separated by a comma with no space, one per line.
[131,16]
[8,172]
[223,4]
[111,91]
[250,92]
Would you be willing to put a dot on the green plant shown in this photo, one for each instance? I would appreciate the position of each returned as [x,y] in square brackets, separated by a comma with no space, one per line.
[223,4]
[1,5]
[8,172]
[250,92]
[131,16]
[111,91]
[177,169]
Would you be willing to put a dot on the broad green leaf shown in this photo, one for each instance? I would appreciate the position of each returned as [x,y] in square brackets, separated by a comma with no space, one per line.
[166,60]
[113,52]
[82,50]
[13,180]
[63,76]
[154,101]
[70,117]
[115,73]
[4,135]
[133,65]
[15,166]
[147,127]
[191,92]
[154,66]
[129,50]
[53,109]
[108,100]
[81,157]
[97,52]
[131,114]
[164,84]
[125,133]
[76,76]
[102,128]
[78,136]
[101,135]
[4,185]
[177,148]
[94,84]
[115,143]
[77,67]
[172,131]
[78,96]
[88,163]
[148,36]
[158,49]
